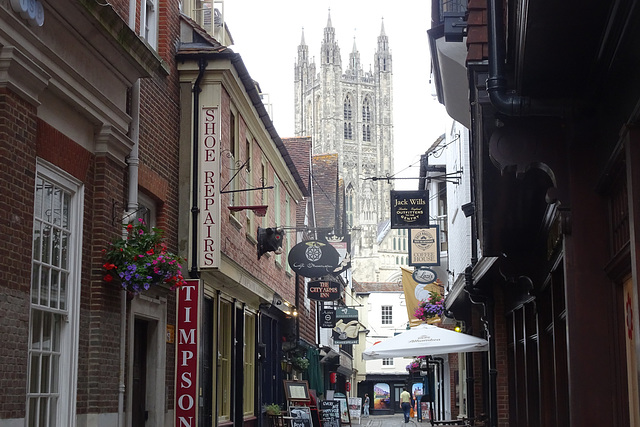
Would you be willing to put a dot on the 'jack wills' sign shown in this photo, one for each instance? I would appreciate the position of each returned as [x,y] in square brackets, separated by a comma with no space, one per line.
[409,209]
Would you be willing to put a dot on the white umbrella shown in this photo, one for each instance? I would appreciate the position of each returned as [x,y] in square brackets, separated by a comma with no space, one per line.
[424,340]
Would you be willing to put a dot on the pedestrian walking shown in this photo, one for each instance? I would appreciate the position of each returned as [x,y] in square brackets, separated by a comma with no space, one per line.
[405,402]
[365,406]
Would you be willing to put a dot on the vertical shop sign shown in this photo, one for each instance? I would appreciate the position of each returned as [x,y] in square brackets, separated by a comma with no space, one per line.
[187,353]
[209,193]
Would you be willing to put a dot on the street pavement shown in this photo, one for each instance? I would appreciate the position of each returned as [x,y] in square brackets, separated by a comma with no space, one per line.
[396,420]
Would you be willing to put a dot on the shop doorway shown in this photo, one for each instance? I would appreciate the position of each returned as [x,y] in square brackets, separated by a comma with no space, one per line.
[139,414]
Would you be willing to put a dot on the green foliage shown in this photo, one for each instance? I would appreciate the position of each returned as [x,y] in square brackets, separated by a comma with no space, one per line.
[141,260]
[272,409]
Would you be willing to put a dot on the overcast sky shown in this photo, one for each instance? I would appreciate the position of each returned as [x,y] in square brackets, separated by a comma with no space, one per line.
[267,34]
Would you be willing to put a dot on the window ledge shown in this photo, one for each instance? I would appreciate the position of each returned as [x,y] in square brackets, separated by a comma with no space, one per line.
[234,221]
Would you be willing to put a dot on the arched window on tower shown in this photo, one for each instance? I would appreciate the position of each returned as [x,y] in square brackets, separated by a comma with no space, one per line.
[349,205]
[366,120]
[348,114]
[366,111]
[366,133]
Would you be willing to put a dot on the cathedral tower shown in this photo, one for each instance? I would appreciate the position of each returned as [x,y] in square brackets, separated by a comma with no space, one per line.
[350,113]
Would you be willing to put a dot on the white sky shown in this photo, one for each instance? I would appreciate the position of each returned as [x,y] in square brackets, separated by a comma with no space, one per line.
[267,34]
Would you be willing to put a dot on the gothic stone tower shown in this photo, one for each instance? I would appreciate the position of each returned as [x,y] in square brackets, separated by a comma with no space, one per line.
[350,113]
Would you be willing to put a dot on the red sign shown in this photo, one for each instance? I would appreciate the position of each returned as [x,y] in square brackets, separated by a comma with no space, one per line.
[187,353]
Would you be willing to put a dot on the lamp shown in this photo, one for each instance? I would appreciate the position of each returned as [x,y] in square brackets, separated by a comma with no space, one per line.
[468,209]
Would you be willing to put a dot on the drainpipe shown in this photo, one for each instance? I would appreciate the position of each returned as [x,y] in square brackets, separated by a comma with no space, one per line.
[510,103]
[488,320]
[132,206]
[195,210]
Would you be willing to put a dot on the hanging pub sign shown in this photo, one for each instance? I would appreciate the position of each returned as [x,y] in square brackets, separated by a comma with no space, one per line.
[342,244]
[424,246]
[313,258]
[327,318]
[347,328]
[323,290]
[409,209]
[424,275]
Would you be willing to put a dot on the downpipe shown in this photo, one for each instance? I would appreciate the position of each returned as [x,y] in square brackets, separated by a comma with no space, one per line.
[133,162]
[195,210]
[508,102]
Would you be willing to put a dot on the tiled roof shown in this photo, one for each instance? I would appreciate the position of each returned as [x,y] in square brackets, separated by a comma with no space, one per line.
[325,185]
[477,35]
[299,149]
[367,287]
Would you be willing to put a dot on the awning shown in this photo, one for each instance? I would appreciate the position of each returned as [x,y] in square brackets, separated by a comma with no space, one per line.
[425,340]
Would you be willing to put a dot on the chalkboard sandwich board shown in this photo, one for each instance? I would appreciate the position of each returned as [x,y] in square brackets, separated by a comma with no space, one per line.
[330,413]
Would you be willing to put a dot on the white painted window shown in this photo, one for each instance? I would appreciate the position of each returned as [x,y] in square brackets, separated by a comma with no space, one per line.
[55,296]
[149,22]
[387,314]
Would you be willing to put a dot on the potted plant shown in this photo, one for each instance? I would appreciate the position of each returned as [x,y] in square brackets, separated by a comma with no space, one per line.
[301,363]
[416,364]
[432,307]
[140,260]
[272,409]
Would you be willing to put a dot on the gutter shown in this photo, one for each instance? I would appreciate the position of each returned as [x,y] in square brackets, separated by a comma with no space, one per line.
[508,102]
[195,210]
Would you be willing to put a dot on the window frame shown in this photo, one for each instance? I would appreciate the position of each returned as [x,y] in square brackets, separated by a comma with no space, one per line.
[223,371]
[149,22]
[250,331]
[386,318]
[65,413]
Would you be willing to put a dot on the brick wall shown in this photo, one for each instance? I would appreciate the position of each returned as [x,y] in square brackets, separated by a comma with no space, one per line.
[238,242]
[17,159]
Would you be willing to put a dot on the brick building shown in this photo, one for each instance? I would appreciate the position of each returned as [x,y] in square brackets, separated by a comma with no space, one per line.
[98,126]
[552,278]
[81,149]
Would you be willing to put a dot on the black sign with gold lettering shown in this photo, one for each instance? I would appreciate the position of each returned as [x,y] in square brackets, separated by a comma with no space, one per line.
[409,209]
[323,290]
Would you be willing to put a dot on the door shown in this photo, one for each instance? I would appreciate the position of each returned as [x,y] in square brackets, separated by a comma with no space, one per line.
[397,389]
[139,392]
[207,361]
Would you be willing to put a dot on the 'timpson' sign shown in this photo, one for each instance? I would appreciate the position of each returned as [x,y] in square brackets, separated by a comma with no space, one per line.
[187,354]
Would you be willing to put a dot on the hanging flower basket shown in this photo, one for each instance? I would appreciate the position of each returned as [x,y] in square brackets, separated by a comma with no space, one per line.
[432,307]
[415,364]
[301,363]
[140,260]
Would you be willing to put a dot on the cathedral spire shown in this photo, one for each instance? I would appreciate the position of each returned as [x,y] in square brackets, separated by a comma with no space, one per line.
[330,50]
[383,54]
[303,50]
[354,60]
